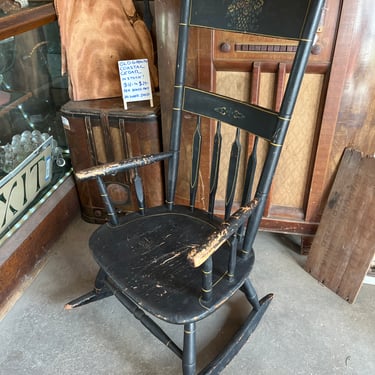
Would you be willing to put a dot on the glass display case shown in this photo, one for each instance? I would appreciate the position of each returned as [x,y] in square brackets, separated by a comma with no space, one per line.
[33,151]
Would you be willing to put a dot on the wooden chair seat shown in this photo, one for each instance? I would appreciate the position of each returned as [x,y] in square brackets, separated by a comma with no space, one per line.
[146,258]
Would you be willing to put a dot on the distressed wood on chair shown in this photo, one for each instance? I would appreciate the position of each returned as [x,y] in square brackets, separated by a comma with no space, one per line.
[180,264]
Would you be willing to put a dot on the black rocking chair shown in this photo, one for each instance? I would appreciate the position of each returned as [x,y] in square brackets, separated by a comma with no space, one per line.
[182,263]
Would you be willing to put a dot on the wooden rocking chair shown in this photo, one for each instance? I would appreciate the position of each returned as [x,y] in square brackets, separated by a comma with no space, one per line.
[181,263]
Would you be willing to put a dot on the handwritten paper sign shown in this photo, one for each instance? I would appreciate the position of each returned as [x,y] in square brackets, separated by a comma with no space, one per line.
[135,81]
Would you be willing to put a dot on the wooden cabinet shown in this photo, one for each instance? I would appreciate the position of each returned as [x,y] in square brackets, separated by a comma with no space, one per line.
[29,54]
[335,108]
[32,91]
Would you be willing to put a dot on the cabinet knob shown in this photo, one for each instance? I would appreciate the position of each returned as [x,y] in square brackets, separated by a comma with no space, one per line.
[225,47]
[316,49]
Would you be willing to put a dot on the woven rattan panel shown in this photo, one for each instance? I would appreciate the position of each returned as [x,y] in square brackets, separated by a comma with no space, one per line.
[292,177]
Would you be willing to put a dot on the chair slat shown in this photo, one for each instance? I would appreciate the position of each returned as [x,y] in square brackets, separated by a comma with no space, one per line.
[139,191]
[250,173]
[233,112]
[215,164]
[126,146]
[196,154]
[111,212]
[248,187]
[234,162]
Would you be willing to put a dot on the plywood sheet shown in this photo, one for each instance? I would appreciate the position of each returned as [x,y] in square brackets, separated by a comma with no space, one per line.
[344,245]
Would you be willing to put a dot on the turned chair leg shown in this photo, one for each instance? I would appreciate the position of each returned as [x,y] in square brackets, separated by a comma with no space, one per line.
[189,351]
[100,291]
[251,294]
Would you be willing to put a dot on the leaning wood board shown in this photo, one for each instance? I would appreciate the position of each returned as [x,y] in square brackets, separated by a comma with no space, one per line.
[344,245]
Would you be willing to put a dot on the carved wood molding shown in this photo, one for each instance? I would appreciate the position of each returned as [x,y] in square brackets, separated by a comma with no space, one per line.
[279,48]
[26,20]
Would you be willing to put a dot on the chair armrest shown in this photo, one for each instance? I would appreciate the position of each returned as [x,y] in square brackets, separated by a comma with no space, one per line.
[200,253]
[120,166]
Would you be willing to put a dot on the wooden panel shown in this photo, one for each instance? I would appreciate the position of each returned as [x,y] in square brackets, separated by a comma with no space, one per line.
[292,176]
[26,19]
[20,254]
[293,173]
[100,131]
[344,245]
[348,117]
[237,48]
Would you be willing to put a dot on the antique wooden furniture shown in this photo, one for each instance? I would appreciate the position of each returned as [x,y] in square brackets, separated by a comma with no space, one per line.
[179,263]
[101,131]
[26,243]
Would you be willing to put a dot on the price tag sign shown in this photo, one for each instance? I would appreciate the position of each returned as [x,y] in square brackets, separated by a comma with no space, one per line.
[135,81]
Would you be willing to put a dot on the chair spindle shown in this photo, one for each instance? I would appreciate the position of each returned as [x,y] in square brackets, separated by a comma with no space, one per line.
[248,186]
[139,191]
[214,175]
[112,216]
[232,174]
[233,258]
[250,173]
[207,280]
[196,154]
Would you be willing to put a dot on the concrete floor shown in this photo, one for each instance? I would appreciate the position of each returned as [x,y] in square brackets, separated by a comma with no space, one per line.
[306,330]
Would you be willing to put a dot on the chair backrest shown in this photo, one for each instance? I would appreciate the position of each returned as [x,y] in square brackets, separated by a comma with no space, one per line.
[291,19]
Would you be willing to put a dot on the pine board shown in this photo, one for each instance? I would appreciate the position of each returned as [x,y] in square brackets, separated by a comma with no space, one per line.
[344,245]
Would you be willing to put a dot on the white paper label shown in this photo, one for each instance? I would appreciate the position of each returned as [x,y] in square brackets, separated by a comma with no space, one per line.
[135,80]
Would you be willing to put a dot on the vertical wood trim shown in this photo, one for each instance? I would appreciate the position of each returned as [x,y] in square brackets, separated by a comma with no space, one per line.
[104,124]
[206,74]
[280,85]
[341,57]
[254,99]
[278,98]
[90,136]
[255,82]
